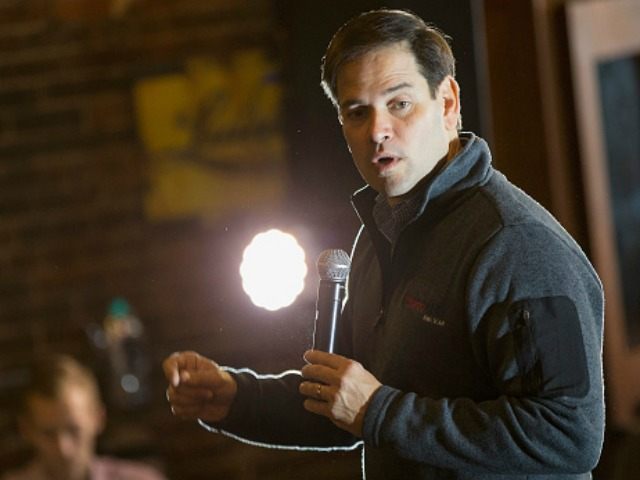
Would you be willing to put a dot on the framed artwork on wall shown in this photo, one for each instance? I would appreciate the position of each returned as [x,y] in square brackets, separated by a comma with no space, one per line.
[604,42]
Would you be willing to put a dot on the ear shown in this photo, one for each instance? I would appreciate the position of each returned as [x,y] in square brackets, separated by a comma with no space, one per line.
[449,90]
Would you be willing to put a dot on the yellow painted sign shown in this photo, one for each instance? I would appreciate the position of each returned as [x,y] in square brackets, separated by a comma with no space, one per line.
[213,135]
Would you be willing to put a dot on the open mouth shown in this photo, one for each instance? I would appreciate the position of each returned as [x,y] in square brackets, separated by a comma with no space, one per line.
[385,163]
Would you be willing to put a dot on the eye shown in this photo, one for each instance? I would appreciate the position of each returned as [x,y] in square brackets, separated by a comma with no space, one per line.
[73,431]
[400,105]
[48,433]
[355,113]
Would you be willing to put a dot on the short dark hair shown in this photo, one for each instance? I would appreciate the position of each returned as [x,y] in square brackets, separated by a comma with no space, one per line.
[383,27]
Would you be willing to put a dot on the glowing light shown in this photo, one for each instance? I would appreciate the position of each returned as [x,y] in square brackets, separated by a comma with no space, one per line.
[273,269]
[130,383]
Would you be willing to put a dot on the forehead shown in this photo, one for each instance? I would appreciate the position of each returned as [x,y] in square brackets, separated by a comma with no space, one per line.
[72,403]
[377,71]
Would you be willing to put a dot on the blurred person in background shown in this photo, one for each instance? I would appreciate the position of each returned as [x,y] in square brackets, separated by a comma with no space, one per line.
[62,416]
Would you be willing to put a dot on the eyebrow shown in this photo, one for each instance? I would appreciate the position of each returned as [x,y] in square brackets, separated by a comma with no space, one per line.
[348,103]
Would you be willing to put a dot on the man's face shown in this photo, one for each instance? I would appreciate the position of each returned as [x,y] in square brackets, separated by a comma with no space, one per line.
[63,431]
[395,130]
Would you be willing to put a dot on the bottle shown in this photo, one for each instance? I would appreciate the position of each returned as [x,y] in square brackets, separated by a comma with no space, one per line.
[128,360]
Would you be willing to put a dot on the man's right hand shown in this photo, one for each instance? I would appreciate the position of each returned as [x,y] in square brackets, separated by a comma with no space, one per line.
[198,387]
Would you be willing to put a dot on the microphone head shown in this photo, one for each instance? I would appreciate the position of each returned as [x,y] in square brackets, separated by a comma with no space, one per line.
[333,265]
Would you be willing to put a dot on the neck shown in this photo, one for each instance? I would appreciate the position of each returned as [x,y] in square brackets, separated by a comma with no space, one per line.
[454,147]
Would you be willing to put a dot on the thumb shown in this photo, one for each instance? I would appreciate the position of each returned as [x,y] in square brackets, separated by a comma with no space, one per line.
[210,377]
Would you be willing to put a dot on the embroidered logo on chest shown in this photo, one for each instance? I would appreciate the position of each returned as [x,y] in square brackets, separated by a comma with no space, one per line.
[438,322]
[420,308]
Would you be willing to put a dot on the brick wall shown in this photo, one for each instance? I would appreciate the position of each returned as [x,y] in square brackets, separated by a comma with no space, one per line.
[74,233]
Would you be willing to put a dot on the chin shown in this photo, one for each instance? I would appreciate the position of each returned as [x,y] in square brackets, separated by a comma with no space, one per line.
[396,191]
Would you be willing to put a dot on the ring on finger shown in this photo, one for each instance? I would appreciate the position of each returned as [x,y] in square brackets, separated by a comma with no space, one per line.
[319,391]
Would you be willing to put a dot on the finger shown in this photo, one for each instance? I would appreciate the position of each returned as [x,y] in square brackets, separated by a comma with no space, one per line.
[319,373]
[313,390]
[189,367]
[317,407]
[187,412]
[171,369]
[211,377]
[195,361]
[178,361]
[187,395]
[323,358]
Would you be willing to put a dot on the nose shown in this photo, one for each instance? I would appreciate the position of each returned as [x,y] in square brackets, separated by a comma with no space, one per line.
[381,127]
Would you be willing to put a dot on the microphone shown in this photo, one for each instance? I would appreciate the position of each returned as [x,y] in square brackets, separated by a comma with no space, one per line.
[333,268]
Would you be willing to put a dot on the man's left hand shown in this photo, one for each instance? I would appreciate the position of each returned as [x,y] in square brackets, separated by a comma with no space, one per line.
[337,388]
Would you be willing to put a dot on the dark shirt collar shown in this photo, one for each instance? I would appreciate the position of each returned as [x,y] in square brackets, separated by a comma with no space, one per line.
[390,220]
[471,166]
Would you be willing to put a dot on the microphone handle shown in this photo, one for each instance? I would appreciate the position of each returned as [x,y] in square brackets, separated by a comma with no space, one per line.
[328,309]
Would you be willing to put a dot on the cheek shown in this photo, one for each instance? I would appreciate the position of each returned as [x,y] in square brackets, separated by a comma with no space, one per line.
[354,134]
[349,140]
[430,134]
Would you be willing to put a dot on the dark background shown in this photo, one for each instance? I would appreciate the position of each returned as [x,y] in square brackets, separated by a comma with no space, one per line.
[619,81]
[74,174]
